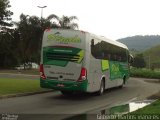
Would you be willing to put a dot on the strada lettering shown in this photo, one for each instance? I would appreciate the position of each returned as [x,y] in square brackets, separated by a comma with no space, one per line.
[57,38]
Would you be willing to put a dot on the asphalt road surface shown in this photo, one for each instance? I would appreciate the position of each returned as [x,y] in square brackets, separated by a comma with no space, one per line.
[56,103]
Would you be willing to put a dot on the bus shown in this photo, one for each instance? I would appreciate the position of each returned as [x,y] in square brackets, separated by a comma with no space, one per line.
[77,61]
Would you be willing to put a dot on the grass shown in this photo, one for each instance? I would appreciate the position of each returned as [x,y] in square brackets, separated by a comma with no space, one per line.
[152,56]
[145,73]
[15,86]
[150,112]
[153,108]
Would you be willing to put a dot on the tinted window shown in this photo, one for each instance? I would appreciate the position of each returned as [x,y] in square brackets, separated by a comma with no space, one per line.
[104,50]
[96,50]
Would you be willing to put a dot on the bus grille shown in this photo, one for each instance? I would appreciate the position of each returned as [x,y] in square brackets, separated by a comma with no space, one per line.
[62,56]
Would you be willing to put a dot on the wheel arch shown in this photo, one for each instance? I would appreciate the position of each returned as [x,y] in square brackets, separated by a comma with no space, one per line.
[124,79]
[103,78]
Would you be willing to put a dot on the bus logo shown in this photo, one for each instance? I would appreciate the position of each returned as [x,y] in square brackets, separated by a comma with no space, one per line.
[61,39]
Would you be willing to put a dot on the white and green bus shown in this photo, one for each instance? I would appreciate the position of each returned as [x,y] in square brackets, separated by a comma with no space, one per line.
[78,61]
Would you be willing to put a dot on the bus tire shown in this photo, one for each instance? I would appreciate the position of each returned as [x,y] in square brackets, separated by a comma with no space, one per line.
[67,93]
[124,82]
[102,88]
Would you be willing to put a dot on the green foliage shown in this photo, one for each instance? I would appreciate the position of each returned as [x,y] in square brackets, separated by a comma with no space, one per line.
[65,22]
[139,61]
[7,49]
[29,33]
[27,72]
[152,57]
[144,73]
[7,58]
[5,14]
[23,44]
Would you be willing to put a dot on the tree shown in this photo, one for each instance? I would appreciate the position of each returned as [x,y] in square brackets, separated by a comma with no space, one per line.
[29,31]
[139,61]
[5,14]
[64,22]
[8,49]
[7,58]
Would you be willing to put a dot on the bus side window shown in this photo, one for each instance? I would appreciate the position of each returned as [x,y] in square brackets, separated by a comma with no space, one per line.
[96,49]
[119,58]
[115,58]
[109,56]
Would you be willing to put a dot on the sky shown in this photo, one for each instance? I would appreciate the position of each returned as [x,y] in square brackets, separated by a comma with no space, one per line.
[113,19]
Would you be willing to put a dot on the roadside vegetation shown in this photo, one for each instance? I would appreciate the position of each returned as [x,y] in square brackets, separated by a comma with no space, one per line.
[146,63]
[20,41]
[153,108]
[145,73]
[10,86]
[149,112]
[142,72]
[27,71]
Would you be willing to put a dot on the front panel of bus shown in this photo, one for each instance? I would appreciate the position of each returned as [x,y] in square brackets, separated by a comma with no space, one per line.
[62,60]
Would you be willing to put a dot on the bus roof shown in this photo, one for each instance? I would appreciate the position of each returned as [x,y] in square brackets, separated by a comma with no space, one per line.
[96,36]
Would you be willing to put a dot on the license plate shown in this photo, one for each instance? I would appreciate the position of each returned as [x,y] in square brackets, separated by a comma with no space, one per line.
[60,85]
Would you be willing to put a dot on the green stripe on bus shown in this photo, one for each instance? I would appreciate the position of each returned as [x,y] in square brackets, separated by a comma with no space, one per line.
[81,54]
[104,65]
[76,52]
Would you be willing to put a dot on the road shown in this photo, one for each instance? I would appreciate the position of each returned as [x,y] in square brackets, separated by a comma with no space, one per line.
[55,103]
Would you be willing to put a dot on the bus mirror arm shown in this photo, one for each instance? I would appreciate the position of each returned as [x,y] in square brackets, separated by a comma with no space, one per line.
[130,59]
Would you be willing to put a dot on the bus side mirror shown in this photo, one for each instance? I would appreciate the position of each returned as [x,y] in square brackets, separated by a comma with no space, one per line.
[130,58]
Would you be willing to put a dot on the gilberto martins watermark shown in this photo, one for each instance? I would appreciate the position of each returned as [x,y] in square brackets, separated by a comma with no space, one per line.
[9,117]
[128,117]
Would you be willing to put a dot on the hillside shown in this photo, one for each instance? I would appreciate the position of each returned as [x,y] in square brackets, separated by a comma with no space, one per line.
[141,43]
[152,56]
